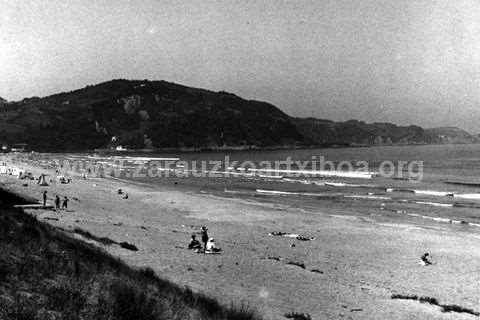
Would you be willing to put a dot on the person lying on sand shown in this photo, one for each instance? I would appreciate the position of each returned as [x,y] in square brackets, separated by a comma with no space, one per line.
[302,238]
[424,259]
[64,180]
[194,243]
[211,247]
[125,196]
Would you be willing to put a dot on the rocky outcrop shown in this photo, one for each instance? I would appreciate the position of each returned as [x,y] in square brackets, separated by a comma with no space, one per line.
[131,104]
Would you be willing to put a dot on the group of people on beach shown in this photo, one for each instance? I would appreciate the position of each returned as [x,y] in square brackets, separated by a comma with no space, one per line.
[208,246]
[125,195]
[64,202]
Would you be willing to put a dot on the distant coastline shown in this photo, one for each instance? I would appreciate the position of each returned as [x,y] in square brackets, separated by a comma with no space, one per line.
[237,148]
[268,148]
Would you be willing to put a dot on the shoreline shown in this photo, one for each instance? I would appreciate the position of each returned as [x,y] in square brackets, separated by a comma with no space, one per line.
[363,260]
[242,148]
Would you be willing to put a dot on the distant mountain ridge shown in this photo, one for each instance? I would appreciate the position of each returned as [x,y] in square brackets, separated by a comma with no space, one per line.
[144,114]
[354,132]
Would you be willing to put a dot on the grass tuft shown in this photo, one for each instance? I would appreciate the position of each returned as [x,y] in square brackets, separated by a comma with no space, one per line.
[434,302]
[298,264]
[128,246]
[298,316]
[458,309]
[429,300]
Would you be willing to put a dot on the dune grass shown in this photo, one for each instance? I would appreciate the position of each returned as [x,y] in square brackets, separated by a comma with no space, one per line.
[46,274]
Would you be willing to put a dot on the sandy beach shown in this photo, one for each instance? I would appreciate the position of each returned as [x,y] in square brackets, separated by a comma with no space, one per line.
[359,261]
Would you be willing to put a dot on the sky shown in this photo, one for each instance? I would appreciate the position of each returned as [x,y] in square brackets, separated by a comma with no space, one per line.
[401,61]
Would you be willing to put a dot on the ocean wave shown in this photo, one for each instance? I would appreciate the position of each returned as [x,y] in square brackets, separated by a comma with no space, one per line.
[399,190]
[241,174]
[146,159]
[463,183]
[321,173]
[331,183]
[436,219]
[351,185]
[434,193]
[368,197]
[304,181]
[225,190]
[340,184]
[270,177]
[329,195]
[435,204]
[288,193]
[473,196]
[466,205]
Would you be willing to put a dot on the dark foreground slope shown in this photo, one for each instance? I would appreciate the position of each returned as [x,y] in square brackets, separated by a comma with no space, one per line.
[45,274]
[143,114]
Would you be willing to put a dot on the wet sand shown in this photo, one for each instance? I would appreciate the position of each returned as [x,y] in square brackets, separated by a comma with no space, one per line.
[362,256]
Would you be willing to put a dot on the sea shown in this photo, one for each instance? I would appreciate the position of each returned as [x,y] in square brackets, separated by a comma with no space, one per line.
[438,184]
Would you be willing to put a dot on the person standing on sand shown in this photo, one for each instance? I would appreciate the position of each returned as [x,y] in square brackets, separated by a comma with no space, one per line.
[57,202]
[204,237]
[44,198]
[65,203]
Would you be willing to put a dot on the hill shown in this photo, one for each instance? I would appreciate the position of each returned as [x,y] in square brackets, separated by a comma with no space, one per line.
[354,132]
[144,114]
[450,135]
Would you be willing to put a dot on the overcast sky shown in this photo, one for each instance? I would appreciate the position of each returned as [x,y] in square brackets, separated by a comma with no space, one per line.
[403,61]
